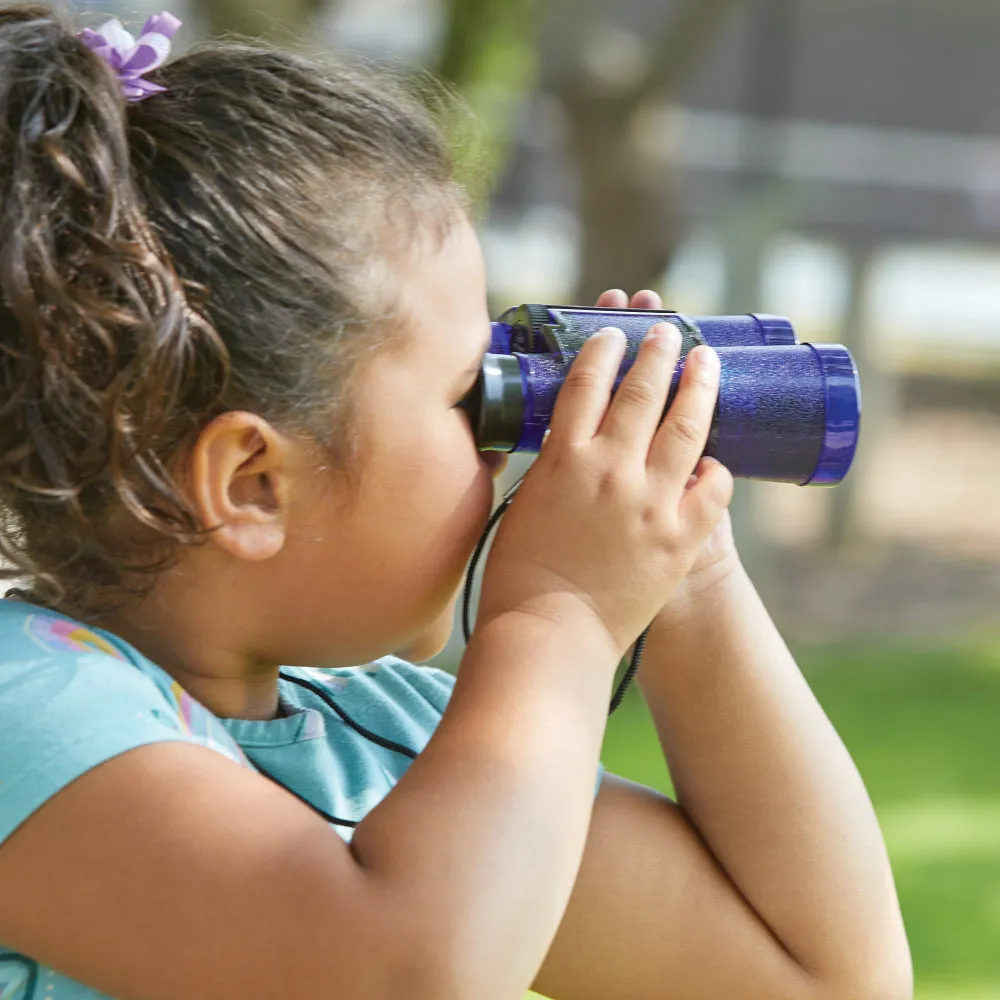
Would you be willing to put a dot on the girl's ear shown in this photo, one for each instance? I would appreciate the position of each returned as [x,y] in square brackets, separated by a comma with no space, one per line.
[239,483]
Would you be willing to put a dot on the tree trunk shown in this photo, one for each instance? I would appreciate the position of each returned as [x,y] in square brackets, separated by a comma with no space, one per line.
[630,230]
[625,203]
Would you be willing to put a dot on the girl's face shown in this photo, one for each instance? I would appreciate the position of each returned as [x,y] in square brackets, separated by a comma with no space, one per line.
[378,560]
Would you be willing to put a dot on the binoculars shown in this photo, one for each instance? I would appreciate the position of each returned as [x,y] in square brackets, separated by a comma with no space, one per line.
[787,412]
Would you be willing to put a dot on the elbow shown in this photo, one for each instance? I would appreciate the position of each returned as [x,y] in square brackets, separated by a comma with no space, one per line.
[419,975]
[420,969]
[439,974]
[877,966]
[431,977]
[430,963]
[442,962]
[895,984]
[891,980]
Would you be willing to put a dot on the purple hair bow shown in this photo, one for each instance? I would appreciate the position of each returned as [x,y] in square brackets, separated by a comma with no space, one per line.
[131,59]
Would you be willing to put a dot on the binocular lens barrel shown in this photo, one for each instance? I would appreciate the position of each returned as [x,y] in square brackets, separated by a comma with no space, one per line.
[521,335]
[787,412]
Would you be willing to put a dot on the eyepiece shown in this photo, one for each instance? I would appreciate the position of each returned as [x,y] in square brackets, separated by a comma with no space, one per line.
[496,405]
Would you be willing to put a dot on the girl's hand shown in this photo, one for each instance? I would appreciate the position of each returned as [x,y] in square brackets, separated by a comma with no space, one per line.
[718,556]
[608,521]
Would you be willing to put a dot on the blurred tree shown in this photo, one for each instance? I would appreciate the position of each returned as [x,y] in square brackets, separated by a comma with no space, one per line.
[490,55]
[607,89]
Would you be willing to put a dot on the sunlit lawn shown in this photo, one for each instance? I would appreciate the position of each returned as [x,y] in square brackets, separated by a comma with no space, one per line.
[924,728]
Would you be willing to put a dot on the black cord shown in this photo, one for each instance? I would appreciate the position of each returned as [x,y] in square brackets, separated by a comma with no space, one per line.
[381,741]
[630,672]
[470,577]
[356,726]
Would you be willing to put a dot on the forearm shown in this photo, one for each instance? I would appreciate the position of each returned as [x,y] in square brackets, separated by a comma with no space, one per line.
[768,785]
[483,836]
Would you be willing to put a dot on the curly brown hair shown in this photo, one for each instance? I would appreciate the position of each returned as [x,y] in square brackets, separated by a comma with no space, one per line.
[228,243]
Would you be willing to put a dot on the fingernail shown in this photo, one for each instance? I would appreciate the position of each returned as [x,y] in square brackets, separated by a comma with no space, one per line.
[705,361]
[609,331]
[666,333]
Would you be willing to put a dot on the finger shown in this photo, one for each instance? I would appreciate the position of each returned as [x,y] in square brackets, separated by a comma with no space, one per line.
[704,503]
[583,398]
[613,298]
[646,299]
[681,439]
[638,405]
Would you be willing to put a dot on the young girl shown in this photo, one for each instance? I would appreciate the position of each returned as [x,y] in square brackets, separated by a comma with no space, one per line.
[241,302]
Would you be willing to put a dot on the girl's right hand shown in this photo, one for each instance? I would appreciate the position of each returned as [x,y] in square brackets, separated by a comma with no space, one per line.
[605,525]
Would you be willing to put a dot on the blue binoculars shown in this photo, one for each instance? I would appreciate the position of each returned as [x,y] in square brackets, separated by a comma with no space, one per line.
[787,412]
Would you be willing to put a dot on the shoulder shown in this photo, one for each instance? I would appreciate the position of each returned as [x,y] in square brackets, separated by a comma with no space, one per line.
[72,697]
[28,632]
[48,661]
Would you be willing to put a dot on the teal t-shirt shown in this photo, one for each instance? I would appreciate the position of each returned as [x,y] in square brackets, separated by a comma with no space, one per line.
[72,697]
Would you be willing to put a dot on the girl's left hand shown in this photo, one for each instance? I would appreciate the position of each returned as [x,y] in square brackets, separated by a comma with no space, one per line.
[718,555]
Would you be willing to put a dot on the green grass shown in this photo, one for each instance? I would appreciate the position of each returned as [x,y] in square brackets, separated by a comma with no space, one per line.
[924,728]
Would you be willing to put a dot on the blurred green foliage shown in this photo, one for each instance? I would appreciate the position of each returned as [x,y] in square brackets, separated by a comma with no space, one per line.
[923,726]
[489,54]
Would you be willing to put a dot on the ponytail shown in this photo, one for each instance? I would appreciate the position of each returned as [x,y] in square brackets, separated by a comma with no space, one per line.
[104,367]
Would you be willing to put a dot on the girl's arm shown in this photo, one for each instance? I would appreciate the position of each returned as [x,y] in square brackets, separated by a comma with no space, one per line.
[769,879]
[170,872]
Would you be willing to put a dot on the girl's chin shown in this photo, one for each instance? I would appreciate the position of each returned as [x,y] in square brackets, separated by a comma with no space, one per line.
[420,653]
[432,640]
